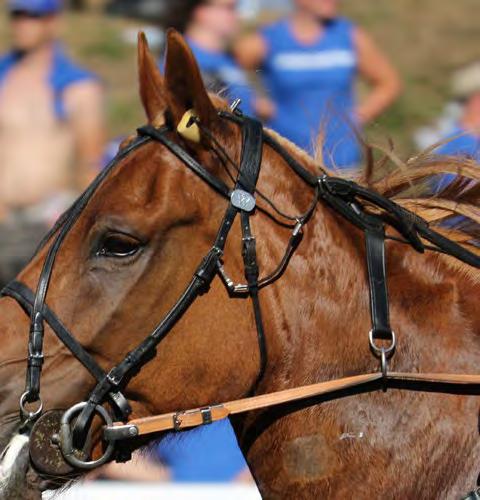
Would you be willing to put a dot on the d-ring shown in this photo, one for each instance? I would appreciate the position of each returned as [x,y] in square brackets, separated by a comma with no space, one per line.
[70,454]
[30,416]
[378,350]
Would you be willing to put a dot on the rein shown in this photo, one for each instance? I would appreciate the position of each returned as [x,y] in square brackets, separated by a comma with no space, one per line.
[344,197]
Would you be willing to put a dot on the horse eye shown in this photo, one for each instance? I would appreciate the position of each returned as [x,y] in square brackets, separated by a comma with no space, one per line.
[118,245]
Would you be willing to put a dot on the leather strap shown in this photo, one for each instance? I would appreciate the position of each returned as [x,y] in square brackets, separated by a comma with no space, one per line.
[252,152]
[379,306]
[450,383]
[200,283]
[35,344]
[25,297]
[161,135]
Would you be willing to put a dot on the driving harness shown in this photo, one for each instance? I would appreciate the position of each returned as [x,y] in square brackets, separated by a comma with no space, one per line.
[345,197]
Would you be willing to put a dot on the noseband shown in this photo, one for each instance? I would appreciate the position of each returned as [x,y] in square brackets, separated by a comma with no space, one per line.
[345,197]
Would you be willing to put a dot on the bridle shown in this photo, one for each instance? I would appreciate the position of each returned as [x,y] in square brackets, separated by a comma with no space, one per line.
[347,198]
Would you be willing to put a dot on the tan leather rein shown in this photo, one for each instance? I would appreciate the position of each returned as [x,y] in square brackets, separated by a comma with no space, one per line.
[469,384]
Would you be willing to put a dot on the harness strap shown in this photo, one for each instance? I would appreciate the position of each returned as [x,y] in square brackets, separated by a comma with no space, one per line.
[299,170]
[25,297]
[340,194]
[379,306]
[249,167]
[141,354]
[252,152]
[35,344]
[445,383]
[161,135]
[249,254]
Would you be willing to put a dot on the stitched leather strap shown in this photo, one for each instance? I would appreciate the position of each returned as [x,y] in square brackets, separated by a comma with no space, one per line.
[379,307]
[161,135]
[249,169]
[431,382]
[252,152]
[25,297]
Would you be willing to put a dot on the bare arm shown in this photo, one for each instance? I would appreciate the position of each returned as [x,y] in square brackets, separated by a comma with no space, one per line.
[250,51]
[85,106]
[377,70]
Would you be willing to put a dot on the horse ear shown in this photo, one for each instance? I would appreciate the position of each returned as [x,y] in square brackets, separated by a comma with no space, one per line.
[152,85]
[185,90]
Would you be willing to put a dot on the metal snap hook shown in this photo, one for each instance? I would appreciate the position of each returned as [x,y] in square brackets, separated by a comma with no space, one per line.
[70,454]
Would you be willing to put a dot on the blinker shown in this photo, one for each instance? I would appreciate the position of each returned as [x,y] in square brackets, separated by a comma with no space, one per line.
[188,127]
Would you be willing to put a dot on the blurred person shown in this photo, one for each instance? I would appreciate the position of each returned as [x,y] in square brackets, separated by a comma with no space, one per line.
[51,130]
[310,63]
[464,137]
[209,454]
[210,27]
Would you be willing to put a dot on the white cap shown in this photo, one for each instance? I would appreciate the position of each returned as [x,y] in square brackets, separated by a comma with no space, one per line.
[466,81]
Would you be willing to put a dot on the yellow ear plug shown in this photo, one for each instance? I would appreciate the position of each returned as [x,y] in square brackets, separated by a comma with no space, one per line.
[188,128]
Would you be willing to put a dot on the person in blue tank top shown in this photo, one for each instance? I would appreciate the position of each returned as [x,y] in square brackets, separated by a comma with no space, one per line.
[310,63]
[209,27]
[464,139]
[51,130]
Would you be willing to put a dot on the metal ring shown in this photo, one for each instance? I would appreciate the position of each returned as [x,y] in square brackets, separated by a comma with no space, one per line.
[27,415]
[378,350]
[66,444]
[384,364]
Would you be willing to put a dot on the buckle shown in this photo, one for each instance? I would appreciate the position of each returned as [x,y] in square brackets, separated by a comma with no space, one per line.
[206,414]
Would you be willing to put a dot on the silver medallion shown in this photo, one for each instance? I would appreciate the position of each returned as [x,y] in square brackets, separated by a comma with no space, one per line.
[242,200]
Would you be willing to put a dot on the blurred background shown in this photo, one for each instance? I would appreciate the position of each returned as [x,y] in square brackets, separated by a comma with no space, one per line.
[426,41]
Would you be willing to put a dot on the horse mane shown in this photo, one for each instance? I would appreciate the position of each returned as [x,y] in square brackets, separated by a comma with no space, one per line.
[453,211]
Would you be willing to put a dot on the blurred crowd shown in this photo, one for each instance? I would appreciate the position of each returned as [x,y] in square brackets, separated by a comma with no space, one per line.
[298,74]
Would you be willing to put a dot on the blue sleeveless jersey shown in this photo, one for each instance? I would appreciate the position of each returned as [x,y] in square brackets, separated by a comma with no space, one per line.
[63,73]
[208,454]
[467,145]
[223,75]
[313,88]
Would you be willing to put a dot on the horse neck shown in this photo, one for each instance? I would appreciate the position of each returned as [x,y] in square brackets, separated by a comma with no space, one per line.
[317,320]
[306,306]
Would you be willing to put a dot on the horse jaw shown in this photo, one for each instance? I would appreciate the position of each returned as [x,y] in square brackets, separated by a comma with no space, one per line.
[14,468]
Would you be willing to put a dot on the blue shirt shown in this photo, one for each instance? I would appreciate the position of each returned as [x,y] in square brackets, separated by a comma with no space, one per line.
[313,88]
[63,73]
[467,145]
[206,454]
[223,75]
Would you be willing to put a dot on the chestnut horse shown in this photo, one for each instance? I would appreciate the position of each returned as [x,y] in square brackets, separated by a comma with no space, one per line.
[137,243]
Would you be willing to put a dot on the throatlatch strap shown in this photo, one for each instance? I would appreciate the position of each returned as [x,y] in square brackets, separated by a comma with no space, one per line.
[377,277]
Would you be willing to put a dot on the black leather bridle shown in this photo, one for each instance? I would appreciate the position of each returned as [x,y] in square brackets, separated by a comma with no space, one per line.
[345,197]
